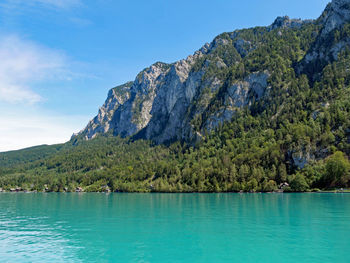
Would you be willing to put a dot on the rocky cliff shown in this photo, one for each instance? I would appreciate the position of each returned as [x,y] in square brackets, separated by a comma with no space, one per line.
[187,99]
[103,122]
[330,41]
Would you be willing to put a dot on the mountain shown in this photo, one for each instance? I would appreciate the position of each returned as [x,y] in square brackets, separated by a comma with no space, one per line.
[257,109]
[330,41]
[170,102]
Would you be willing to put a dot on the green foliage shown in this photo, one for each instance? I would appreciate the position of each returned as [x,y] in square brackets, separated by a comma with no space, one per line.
[9,159]
[252,152]
[337,170]
[298,183]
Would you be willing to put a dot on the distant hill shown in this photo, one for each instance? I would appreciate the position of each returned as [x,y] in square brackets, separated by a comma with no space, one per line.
[257,109]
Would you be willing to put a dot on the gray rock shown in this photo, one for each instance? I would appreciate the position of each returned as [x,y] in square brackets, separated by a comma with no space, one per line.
[169,102]
[238,96]
[286,22]
[243,47]
[254,85]
[336,15]
[302,157]
[102,123]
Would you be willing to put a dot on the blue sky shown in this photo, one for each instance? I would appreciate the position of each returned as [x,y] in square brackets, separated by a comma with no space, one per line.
[59,58]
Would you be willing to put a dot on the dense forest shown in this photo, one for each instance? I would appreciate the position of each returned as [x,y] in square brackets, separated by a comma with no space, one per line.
[295,139]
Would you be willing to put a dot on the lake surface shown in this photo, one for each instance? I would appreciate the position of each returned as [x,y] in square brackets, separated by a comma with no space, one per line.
[174,227]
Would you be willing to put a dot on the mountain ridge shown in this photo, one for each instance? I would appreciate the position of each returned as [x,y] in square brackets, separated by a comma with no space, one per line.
[160,112]
[260,109]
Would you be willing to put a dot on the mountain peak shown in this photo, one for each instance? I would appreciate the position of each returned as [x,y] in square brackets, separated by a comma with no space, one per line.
[286,22]
[336,14]
[193,96]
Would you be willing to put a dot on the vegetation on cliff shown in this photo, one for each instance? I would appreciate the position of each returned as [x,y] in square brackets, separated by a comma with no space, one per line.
[295,138]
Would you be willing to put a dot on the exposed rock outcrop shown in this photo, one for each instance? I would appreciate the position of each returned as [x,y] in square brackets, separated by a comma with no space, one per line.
[302,158]
[184,100]
[286,22]
[102,123]
[135,114]
[326,47]
[239,95]
[336,14]
[243,47]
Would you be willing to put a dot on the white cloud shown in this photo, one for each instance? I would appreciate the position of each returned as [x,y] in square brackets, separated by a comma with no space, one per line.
[58,3]
[45,10]
[61,4]
[24,128]
[24,64]
[81,22]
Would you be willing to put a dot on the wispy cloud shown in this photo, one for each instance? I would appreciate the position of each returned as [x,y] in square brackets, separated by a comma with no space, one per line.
[81,22]
[62,4]
[25,127]
[61,11]
[58,3]
[24,63]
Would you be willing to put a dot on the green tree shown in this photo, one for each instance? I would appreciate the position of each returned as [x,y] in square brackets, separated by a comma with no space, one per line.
[269,186]
[337,170]
[298,183]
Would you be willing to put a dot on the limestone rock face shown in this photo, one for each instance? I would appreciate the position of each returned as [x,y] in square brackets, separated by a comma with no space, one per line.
[135,113]
[301,157]
[325,49]
[243,47]
[239,95]
[154,105]
[336,15]
[172,102]
[286,22]
[186,99]
[102,123]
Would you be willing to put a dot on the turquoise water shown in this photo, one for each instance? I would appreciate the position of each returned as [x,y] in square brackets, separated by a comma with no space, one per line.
[174,227]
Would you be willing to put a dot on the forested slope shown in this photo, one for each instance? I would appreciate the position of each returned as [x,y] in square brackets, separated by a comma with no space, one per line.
[270,110]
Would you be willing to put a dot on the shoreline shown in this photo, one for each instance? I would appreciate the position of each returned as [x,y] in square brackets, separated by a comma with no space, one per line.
[43,192]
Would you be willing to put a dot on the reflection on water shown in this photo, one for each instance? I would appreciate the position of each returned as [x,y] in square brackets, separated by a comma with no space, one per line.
[71,227]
